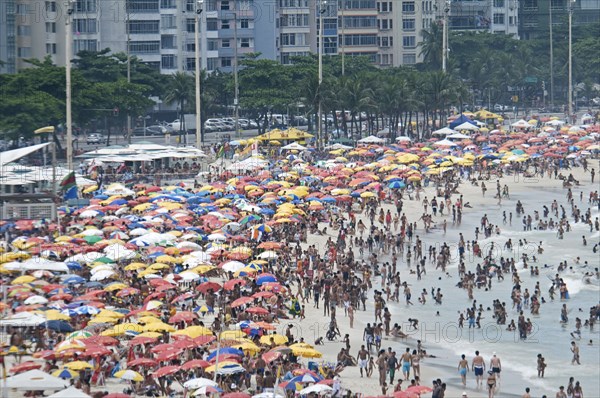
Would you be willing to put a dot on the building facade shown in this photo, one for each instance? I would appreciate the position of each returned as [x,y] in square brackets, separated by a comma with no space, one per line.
[535,15]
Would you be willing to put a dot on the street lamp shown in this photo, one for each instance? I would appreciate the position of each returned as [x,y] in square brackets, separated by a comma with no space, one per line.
[68,56]
[322,9]
[570,94]
[199,136]
[445,35]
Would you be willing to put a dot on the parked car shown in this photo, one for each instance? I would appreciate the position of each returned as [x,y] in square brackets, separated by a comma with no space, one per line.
[95,139]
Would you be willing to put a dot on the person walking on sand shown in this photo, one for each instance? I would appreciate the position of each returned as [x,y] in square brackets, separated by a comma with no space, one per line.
[496,366]
[362,359]
[463,368]
[491,384]
[575,351]
[478,366]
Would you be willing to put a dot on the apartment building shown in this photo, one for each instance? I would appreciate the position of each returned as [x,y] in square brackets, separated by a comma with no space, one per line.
[534,21]
[160,32]
[494,16]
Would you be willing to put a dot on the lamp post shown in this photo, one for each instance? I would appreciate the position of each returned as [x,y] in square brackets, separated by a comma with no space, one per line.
[322,9]
[445,35]
[198,61]
[128,134]
[570,93]
[236,92]
[551,56]
[68,56]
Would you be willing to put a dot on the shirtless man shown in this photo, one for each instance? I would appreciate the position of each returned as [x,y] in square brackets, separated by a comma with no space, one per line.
[406,361]
[575,351]
[363,359]
[478,366]
[463,368]
[496,366]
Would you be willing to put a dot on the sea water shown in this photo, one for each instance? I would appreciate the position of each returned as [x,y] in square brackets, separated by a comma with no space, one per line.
[441,336]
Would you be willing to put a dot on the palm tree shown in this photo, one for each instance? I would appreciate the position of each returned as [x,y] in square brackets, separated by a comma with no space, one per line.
[180,90]
[432,45]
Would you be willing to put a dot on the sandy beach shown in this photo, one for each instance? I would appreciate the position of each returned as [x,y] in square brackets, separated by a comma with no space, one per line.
[438,330]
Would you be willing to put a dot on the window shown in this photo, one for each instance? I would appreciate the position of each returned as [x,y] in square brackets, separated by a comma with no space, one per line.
[530,5]
[50,7]
[409,42]
[190,5]
[154,65]
[498,19]
[384,24]
[168,61]
[408,7]
[85,6]
[168,21]
[384,6]
[24,30]
[499,3]
[244,5]
[360,22]
[385,42]
[85,45]
[143,27]
[511,21]
[212,44]
[50,48]
[168,42]
[24,52]
[190,47]
[190,64]
[225,24]
[142,6]
[360,40]
[224,5]
[211,24]
[409,59]
[225,43]
[50,27]
[144,47]
[359,4]
[225,62]
[212,63]
[23,9]
[84,26]
[245,43]
[245,23]
[165,4]
[288,39]
[408,25]
[190,25]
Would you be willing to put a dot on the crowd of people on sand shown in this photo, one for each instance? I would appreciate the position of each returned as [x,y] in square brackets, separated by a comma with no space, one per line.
[179,326]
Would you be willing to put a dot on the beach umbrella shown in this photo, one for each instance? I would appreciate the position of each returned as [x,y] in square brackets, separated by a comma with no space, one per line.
[193,332]
[65,373]
[58,326]
[277,338]
[129,374]
[236,395]
[206,286]
[199,382]
[265,278]
[24,367]
[35,300]
[207,390]
[419,389]
[195,363]
[78,365]
[166,371]
[117,395]
[70,392]
[142,362]
[315,389]
[405,394]
[79,334]
[306,378]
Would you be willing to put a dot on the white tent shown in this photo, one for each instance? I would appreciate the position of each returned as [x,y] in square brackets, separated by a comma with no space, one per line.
[36,380]
[16,154]
[521,124]
[403,138]
[444,131]
[70,392]
[35,264]
[372,140]
[457,136]
[444,142]
[338,146]
[23,319]
[294,146]
[466,126]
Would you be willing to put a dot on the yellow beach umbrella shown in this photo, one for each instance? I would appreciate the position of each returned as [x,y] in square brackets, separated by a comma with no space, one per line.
[78,365]
[277,338]
[23,279]
[194,331]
